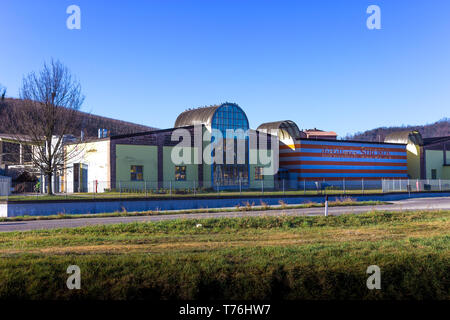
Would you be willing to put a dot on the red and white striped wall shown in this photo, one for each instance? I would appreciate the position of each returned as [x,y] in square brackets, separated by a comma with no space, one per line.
[317,160]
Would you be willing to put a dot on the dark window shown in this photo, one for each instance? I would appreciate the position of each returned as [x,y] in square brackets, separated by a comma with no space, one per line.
[137,173]
[180,173]
[433,174]
[258,173]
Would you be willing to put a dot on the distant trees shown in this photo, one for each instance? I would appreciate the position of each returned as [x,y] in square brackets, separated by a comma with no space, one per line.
[440,128]
[51,100]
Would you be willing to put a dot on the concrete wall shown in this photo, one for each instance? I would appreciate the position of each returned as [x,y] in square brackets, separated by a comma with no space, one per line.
[4,210]
[42,208]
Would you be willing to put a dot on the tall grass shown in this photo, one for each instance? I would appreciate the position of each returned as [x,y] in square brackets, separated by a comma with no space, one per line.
[236,258]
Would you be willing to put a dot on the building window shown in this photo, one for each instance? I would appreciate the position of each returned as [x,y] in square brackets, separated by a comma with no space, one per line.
[433,174]
[137,173]
[259,173]
[180,173]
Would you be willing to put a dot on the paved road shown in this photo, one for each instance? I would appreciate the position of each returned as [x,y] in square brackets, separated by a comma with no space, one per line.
[409,204]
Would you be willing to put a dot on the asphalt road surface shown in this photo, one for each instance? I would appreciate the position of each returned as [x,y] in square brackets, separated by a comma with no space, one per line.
[409,204]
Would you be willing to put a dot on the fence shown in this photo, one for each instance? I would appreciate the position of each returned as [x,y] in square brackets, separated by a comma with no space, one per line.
[5,186]
[416,185]
[254,187]
[237,186]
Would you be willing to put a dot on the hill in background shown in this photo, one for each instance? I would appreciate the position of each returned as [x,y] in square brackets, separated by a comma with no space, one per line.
[90,123]
[440,128]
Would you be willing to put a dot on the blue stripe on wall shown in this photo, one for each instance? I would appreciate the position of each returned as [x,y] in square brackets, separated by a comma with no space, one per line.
[343,175]
[312,166]
[347,144]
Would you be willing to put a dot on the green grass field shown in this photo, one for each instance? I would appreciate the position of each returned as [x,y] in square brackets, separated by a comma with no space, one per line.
[235,258]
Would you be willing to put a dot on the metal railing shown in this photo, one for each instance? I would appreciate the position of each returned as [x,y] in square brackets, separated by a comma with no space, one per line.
[5,186]
[118,189]
[416,185]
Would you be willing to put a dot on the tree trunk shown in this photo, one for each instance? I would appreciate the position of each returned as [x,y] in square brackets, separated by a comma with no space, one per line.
[49,184]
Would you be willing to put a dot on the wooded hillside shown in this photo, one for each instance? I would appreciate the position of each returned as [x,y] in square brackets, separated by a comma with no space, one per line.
[440,128]
[90,123]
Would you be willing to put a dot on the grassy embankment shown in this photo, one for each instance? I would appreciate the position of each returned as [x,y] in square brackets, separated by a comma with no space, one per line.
[139,195]
[238,258]
[262,206]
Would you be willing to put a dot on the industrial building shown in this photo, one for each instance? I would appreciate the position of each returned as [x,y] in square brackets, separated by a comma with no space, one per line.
[305,159]
[144,160]
[311,160]
[428,158]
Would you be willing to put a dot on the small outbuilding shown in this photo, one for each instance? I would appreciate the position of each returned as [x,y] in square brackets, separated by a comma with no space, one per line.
[428,158]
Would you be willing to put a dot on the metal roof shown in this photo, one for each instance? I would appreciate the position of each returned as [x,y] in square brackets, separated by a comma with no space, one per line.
[196,116]
[285,129]
[433,140]
[404,137]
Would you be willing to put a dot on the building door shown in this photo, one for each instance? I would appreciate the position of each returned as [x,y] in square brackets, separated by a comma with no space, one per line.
[84,177]
[80,177]
[76,177]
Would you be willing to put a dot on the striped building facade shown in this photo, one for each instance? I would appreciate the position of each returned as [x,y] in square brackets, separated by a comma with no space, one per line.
[328,160]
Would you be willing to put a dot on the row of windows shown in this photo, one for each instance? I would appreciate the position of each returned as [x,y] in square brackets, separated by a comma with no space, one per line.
[137,173]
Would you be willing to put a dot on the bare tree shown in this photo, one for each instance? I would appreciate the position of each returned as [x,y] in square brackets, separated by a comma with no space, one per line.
[2,93]
[48,114]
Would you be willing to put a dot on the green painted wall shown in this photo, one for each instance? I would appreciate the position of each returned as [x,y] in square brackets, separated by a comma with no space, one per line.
[206,167]
[446,169]
[206,175]
[128,155]
[169,171]
[434,159]
[268,179]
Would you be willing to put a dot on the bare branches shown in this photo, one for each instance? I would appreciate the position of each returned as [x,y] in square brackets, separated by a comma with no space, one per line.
[2,93]
[49,113]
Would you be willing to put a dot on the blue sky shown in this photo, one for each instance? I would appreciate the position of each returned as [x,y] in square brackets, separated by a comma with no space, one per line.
[314,62]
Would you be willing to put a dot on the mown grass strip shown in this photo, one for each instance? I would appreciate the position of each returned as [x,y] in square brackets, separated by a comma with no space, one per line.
[248,207]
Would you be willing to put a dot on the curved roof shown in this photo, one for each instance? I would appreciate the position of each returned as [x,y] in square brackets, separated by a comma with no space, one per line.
[203,115]
[404,137]
[285,129]
[196,116]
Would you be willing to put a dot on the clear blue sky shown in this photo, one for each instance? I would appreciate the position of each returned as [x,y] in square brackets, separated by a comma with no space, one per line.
[314,62]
